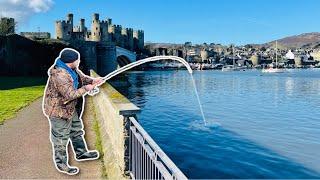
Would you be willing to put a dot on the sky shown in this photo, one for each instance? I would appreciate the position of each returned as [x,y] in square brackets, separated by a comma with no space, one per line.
[177,21]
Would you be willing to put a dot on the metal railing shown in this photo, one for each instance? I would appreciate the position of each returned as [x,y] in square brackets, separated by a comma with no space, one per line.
[146,159]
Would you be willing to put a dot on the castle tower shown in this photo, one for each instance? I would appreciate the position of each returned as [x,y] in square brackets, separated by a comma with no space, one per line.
[82,27]
[104,26]
[127,38]
[115,34]
[69,26]
[130,39]
[59,30]
[118,36]
[10,24]
[95,28]
[138,38]
[109,21]
[112,30]
[124,38]
[63,30]
[70,19]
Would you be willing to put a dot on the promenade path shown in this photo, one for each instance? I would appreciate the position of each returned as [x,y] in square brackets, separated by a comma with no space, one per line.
[25,148]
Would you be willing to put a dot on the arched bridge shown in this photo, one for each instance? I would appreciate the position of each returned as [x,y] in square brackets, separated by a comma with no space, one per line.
[125,56]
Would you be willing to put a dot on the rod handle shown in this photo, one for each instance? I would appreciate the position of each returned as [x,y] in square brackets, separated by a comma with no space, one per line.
[93,91]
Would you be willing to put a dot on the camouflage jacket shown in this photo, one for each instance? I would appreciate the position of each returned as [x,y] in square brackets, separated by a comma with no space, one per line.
[60,97]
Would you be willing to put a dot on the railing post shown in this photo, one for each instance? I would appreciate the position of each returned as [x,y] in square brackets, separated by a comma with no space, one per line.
[127,143]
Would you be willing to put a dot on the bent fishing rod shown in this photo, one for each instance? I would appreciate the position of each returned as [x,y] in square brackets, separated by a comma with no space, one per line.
[138,63]
[134,64]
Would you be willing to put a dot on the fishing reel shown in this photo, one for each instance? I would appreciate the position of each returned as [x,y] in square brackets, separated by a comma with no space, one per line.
[94,91]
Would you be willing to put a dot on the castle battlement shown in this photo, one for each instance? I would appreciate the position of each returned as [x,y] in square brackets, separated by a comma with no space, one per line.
[100,31]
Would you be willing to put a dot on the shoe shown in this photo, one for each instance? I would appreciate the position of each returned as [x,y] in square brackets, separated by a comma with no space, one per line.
[90,155]
[67,169]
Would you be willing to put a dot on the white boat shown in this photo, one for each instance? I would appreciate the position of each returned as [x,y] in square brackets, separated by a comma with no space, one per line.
[274,70]
[229,68]
[206,66]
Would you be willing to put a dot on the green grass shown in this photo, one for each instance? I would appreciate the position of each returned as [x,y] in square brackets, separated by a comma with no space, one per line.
[16,93]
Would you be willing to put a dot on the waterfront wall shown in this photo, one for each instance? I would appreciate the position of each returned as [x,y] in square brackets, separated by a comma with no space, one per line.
[112,112]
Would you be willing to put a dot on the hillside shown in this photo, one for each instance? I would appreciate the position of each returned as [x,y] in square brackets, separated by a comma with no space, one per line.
[305,40]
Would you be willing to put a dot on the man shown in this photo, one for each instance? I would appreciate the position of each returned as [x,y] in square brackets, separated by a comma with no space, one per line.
[63,104]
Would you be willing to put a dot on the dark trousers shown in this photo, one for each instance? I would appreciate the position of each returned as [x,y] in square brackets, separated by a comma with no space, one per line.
[63,130]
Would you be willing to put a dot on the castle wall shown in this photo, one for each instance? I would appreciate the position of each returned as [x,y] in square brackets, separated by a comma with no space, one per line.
[88,51]
[36,35]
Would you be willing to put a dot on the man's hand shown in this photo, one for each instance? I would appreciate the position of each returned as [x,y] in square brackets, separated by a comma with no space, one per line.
[89,87]
[98,81]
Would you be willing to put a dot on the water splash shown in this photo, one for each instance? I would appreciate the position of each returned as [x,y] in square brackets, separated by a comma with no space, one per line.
[210,126]
[199,102]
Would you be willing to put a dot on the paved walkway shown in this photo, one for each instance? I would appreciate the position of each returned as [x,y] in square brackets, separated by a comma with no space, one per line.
[25,149]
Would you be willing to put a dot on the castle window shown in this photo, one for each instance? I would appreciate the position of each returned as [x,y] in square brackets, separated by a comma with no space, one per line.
[96,28]
[69,32]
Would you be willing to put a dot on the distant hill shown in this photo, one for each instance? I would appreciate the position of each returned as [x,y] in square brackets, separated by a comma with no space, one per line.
[306,40]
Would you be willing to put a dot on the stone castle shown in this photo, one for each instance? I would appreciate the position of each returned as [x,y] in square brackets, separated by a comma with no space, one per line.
[100,31]
[105,46]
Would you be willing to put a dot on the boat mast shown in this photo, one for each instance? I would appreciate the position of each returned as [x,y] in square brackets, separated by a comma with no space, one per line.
[276,54]
[233,57]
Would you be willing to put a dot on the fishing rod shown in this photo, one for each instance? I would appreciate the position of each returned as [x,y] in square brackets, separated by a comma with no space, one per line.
[137,63]
[134,64]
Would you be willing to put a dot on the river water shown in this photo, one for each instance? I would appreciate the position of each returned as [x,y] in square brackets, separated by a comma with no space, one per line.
[258,125]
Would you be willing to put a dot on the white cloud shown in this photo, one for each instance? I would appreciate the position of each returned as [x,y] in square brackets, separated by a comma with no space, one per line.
[40,5]
[22,10]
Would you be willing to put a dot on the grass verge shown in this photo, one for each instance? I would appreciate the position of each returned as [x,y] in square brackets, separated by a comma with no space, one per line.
[12,100]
